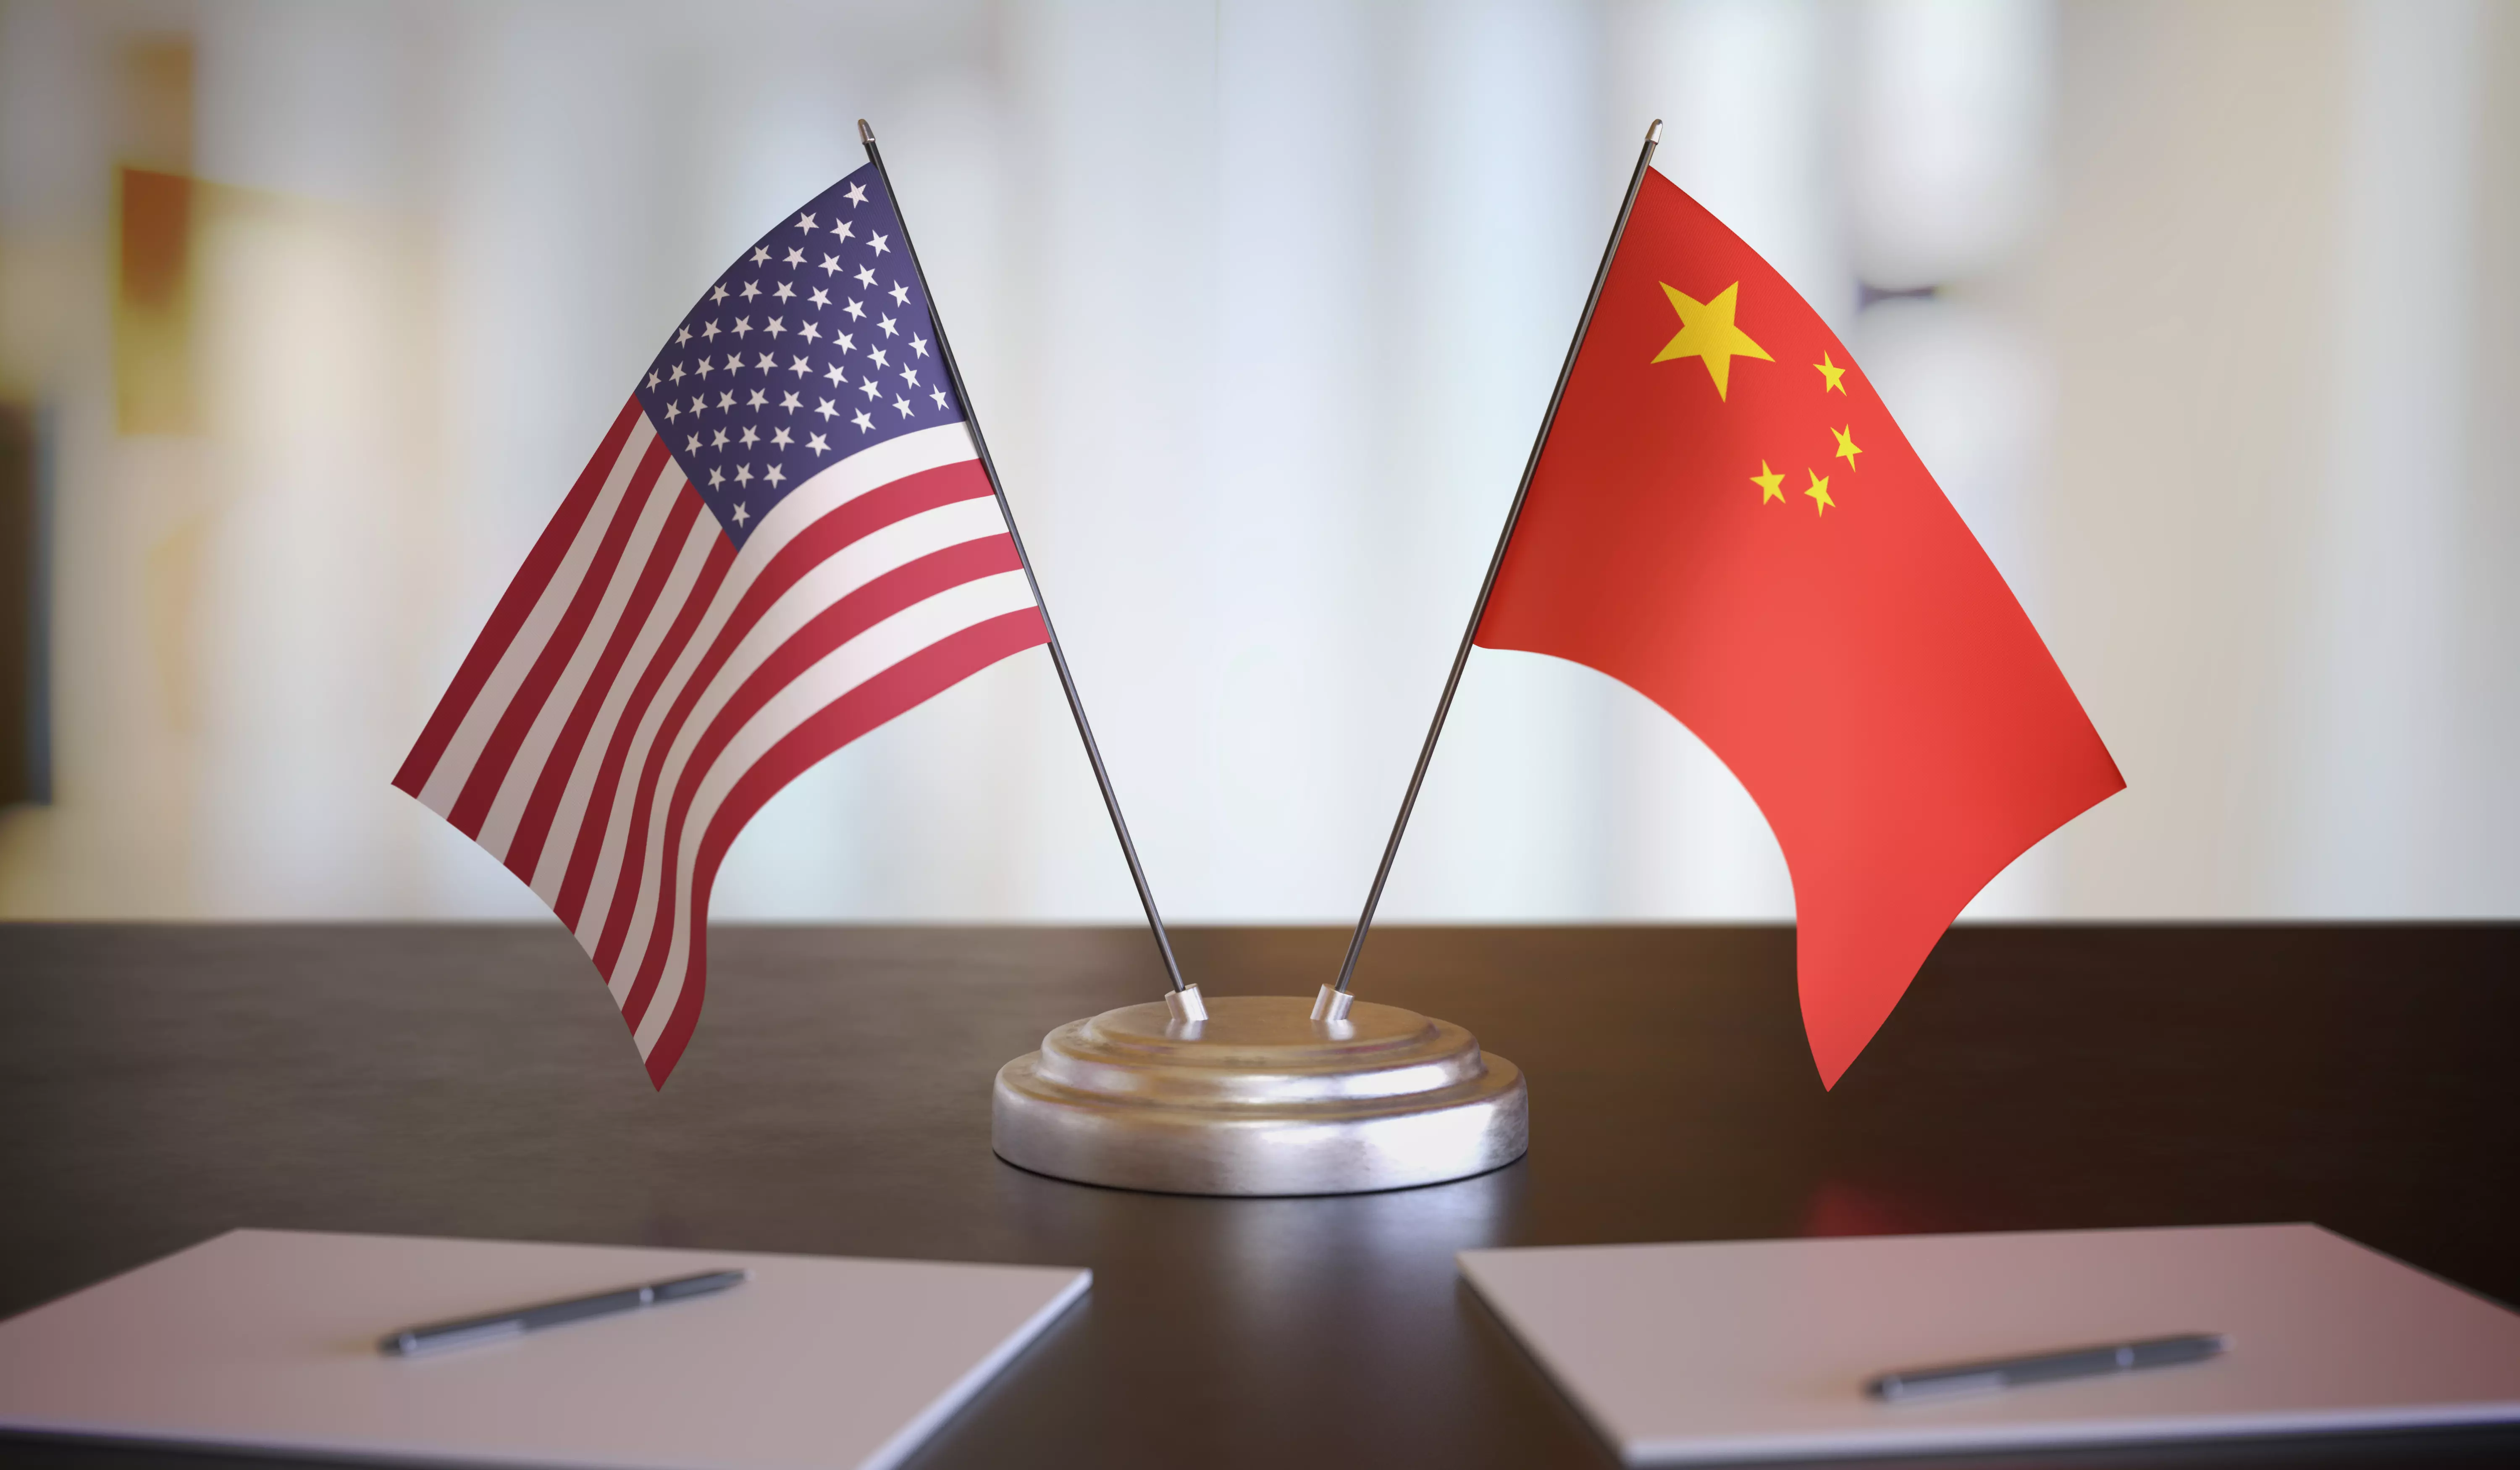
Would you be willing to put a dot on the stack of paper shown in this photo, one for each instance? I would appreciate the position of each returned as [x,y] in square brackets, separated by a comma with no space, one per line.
[1684,1352]
[269,1339]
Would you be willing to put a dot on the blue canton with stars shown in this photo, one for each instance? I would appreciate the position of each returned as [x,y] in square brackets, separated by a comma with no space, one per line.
[815,344]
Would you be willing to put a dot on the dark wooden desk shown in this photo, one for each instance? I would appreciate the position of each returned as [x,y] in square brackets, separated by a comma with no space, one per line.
[163,1083]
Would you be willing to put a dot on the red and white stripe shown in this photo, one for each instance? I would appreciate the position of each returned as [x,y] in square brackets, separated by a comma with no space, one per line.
[643,687]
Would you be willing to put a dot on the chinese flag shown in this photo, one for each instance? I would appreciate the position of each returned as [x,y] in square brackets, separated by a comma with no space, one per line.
[1726,519]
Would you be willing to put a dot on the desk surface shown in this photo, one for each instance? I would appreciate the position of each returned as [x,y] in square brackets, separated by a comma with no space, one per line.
[161,1084]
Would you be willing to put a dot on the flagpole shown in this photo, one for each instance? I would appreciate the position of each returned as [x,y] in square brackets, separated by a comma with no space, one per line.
[1334,1002]
[1185,999]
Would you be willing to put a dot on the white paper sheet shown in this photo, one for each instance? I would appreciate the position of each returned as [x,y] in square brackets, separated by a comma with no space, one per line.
[1757,1349]
[267,1339]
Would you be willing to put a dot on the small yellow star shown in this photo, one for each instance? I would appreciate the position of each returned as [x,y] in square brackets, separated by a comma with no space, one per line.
[1771,484]
[1819,492]
[1831,373]
[1846,449]
[1706,332]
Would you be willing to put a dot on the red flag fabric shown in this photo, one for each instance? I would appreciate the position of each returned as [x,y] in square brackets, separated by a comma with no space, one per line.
[1726,519]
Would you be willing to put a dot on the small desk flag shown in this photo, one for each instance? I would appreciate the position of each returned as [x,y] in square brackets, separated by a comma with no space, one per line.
[1725,518]
[785,539]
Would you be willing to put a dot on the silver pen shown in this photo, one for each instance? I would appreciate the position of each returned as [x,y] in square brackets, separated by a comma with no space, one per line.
[464,1332]
[2046,1368]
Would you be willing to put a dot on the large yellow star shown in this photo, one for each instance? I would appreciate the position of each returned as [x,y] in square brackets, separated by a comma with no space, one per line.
[1771,484]
[1819,492]
[1846,449]
[1706,332]
[1829,373]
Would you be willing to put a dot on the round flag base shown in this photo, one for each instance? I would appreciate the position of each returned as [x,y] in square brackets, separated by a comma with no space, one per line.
[1260,1098]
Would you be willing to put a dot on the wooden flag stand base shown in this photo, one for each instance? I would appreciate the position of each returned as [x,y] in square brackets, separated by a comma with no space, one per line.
[1252,1094]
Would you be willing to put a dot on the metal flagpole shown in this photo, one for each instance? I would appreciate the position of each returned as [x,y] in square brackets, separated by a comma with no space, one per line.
[1188,994]
[1334,1002]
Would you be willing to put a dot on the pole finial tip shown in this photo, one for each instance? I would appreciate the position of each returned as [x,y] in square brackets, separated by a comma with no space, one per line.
[1654,134]
[866,134]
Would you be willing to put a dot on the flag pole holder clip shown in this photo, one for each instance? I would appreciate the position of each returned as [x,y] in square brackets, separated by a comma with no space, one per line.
[1267,1094]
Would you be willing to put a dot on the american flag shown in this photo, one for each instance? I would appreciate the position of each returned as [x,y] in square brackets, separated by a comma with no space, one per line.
[785,539]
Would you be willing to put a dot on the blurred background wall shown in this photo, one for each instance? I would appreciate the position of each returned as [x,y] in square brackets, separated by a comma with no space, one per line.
[310,311]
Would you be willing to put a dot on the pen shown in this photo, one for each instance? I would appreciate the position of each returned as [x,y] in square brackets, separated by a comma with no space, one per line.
[2046,1368]
[464,1332]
